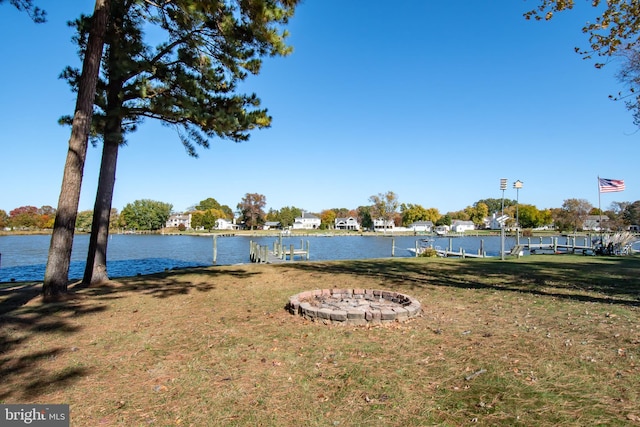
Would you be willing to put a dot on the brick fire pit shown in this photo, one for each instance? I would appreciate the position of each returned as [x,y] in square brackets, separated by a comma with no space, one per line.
[353,306]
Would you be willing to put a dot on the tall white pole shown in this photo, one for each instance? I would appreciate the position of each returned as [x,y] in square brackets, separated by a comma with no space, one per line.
[600,212]
[503,186]
[502,241]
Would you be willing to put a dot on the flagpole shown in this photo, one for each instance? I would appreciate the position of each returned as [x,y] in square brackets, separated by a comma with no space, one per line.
[600,212]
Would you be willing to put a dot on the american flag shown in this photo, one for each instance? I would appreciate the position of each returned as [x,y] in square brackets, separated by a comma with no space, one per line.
[610,185]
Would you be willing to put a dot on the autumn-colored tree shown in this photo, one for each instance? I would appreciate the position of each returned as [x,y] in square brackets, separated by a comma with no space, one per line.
[272,215]
[24,217]
[47,217]
[412,213]
[529,216]
[327,219]
[208,203]
[545,217]
[211,203]
[251,210]
[342,212]
[477,213]
[495,205]
[462,215]
[572,214]
[114,219]
[615,27]
[4,218]
[385,206]
[189,81]
[206,218]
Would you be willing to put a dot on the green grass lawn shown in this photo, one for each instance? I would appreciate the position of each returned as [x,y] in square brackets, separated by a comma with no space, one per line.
[541,340]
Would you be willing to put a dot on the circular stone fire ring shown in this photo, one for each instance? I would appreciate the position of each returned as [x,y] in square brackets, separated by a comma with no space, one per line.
[353,306]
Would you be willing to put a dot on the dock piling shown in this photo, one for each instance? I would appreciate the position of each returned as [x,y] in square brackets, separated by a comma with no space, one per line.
[215,248]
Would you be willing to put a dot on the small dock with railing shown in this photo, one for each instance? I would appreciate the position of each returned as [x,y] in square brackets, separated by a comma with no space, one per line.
[573,244]
[424,244]
[277,253]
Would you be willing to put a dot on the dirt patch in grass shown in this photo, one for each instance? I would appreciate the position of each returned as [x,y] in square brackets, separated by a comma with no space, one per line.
[543,340]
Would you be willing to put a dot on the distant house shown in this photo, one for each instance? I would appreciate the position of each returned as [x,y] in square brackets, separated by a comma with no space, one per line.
[425,226]
[492,222]
[271,225]
[225,224]
[176,219]
[382,225]
[460,226]
[346,224]
[592,223]
[306,222]
[442,229]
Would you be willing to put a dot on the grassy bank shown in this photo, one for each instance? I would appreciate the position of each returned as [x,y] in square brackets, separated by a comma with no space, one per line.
[540,340]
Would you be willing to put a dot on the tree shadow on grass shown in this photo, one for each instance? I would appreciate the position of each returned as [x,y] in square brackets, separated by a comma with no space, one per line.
[33,380]
[20,323]
[611,280]
[24,317]
[164,285]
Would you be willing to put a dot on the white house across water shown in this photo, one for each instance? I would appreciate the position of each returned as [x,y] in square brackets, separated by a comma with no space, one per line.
[306,222]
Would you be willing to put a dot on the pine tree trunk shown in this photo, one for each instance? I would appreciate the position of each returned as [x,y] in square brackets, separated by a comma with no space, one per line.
[96,267]
[57,272]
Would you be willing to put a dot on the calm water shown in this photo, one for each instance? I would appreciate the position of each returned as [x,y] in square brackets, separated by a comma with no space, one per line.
[23,258]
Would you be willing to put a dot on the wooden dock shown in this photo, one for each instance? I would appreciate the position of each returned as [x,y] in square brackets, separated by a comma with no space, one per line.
[461,253]
[448,252]
[278,253]
[552,245]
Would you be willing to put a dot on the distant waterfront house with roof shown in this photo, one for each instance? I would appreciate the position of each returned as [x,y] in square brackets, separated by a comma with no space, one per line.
[424,226]
[306,222]
[271,225]
[382,225]
[492,222]
[350,223]
[592,223]
[225,224]
[442,229]
[460,226]
[176,219]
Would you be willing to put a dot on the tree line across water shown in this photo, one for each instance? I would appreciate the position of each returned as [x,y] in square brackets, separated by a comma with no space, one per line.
[150,215]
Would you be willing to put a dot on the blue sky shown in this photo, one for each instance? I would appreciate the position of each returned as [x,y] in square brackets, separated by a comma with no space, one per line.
[435,101]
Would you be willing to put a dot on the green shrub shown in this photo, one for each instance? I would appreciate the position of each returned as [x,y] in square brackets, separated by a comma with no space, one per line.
[429,253]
